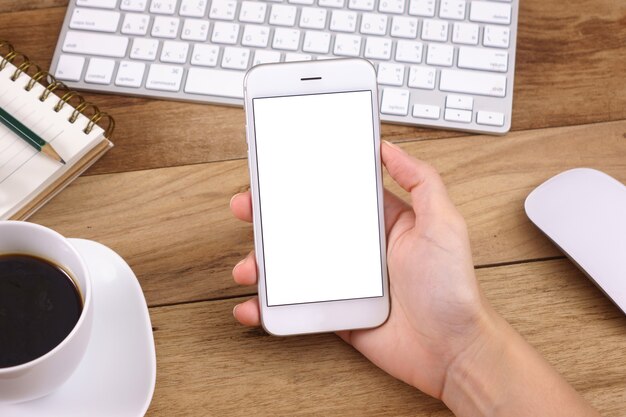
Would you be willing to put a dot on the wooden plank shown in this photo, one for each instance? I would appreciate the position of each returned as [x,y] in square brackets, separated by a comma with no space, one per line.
[570,70]
[489,179]
[549,91]
[174,227]
[8,6]
[210,366]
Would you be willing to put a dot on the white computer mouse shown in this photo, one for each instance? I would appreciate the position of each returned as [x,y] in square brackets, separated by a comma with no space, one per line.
[583,211]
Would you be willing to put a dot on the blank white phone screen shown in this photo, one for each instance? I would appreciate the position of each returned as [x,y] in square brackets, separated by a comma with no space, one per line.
[316,169]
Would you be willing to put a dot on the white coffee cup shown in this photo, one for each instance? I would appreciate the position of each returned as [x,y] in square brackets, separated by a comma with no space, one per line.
[43,375]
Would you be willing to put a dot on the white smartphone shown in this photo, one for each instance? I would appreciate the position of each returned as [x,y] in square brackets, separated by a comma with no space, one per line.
[313,137]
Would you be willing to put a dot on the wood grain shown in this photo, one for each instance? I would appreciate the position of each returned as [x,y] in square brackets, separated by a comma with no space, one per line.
[211,366]
[7,6]
[174,227]
[571,64]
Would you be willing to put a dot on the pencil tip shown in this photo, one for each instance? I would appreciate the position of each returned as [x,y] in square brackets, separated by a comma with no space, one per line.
[62,161]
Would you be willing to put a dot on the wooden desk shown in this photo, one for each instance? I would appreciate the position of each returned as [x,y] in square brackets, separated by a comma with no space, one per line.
[160,199]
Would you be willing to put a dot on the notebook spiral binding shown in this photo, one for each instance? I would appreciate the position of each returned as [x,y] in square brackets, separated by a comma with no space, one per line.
[51,84]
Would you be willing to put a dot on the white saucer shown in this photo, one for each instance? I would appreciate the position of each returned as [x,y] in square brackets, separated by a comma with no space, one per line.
[117,375]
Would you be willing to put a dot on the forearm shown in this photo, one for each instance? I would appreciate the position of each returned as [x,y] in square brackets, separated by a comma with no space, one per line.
[502,375]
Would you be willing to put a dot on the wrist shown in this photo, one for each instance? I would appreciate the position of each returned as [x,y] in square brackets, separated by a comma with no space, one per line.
[502,375]
[473,385]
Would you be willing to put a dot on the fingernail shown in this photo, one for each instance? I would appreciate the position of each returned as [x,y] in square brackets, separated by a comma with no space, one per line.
[230,204]
[235,311]
[239,263]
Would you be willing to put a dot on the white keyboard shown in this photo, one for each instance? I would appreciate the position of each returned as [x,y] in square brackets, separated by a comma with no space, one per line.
[440,63]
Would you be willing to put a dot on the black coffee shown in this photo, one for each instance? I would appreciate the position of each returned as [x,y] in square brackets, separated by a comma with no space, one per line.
[39,307]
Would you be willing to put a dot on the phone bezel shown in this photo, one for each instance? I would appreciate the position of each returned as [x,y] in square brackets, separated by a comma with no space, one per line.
[302,78]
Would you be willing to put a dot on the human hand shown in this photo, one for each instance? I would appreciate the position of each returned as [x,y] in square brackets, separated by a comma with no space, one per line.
[442,336]
[437,310]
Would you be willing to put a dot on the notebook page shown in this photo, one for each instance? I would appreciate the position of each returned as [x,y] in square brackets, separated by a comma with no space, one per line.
[24,172]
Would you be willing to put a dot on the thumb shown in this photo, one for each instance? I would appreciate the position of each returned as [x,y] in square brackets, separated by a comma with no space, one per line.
[414,176]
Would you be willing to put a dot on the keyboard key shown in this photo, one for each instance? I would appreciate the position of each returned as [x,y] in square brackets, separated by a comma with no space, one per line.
[265,57]
[435,30]
[163,6]
[496,36]
[391,6]
[409,51]
[70,67]
[440,55]
[130,74]
[287,39]
[426,111]
[144,48]
[224,32]
[302,1]
[452,9]
[453,115]
[373,24]
[255,35]
[164,77]
[94,20]
[343,21]
[465,33]
[133,5]
[135,24]
[483,59]
[95,44]
[283,15]
[252,12]
[292,57]
[316,42]
[195,30]
[100,71]
[204,55]
[490,118]
[235,58]
[361,5]
[101,4]
[223,9]
[193,8]
[490,12]
[473,82]
[425,8]
[331,3]
[395,101]
[459,102]
[313,18]
[215,82]
[404,27]
[422,77]
[347,45]
[390,74]
[174,52]
[378,48]
[165,27]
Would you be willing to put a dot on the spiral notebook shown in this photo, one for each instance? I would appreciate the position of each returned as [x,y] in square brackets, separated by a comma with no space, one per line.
[28,179]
